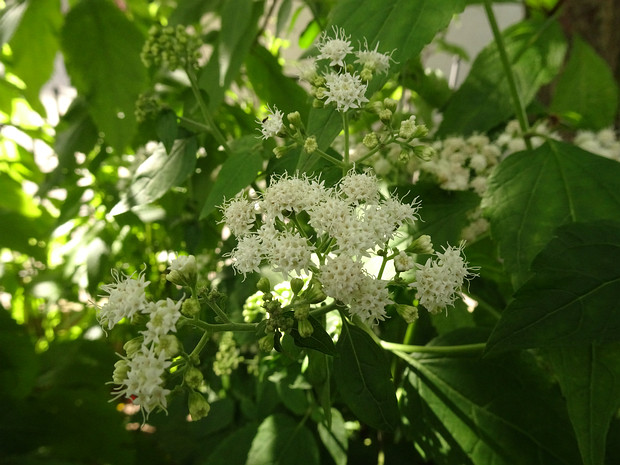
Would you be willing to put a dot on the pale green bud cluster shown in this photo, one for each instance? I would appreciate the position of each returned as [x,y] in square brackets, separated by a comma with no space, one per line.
[147,106]
[171,48]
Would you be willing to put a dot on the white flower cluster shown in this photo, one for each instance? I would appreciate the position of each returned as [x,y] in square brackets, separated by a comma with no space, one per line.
[604,142]
[439,280]
[140,374]
[348,222]
[339,85]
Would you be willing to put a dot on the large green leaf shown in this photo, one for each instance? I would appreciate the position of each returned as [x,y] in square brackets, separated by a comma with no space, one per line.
[572,297]
[499,411]
[237,172]
[158,173]
[237,34]
[235,448]
[402,26]
[281,440]
[535,50]
[102,53]
[363,379]
[589,375]
[586,93]
[532,193]
[33,60]
[272,86]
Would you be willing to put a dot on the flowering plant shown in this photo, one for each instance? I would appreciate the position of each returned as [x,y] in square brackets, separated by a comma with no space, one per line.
[333,257]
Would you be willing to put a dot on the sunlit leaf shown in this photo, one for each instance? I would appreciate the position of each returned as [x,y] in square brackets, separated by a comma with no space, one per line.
[535,49]
[102,53]
[586,94]
[158,173]
[532,193]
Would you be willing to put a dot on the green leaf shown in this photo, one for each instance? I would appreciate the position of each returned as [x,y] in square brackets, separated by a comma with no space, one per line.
[272,86]
[399,25]
[535,50]
[318,340]
[19,367]
[572,297]
[167,128]
[589,375]
[318,375]
[237,34]
[238,172]
[586,93]
[158,173]
[102,53]
[530,194]
[335,438]
[33,60]
[281,440]
[363,379]
[10,17]
[235,448]
[500,411]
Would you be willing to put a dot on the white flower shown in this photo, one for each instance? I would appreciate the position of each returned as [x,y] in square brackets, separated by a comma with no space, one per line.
[126,298]
[439,281]
[307,69]
[144,380]
[407,128]
[272,124]
[239,214]
[360,187]
[248,254]
[346,90]
[342,278]
[373,60]
[290,194]
[290,252]
[335,49]
[164,315]
[369,303]
[403,261]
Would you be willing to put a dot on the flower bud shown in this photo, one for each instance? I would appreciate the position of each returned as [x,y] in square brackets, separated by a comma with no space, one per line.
[264,285]
[314,293]
[297,284]
[409,313]
[422,245]
[403,262]
[132,346]
[390,104]
[169,344]
[302,312]
[366,74]
[310,145]
[370,140]
[316,103]
[183,271]
[198,406]
[190,308]
[385,115]
[265,343]
[295,119]
[121,368]
[305,328]
[424,152]
[193,377]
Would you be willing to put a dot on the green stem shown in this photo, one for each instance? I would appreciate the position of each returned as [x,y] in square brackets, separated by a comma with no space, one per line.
[218,311]
[324,309]
[345,126]
[465,348]
[191,124]
[331,159]
[512,85]
[214,328]
[219,137]
[201,345]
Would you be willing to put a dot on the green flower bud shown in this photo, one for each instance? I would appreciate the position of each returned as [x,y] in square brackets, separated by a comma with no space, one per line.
[366,74]
[390,104]
[305,328]
[319,93]
[370,140]
[190,308]
[265,343]
[295,119]
[385,115]
[422,245]
[198,406]
[424,152]
[193,377]
[302,313]
[169,344]
[316,103]
[310,145]
[314,293]
[409,313]
[264,285]
[120,371]
[132,346]
[297,285]
[282,150]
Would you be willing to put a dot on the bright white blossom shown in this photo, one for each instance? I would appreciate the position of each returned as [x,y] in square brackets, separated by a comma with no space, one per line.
[360,187]
[239,214]
[373,60]
[334,49]
[369,303]
[247,256]
[438,281]
[163,317]
[345,90]
[407,128]
[290,252]
[126,298]
[403,261]
[272,124]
